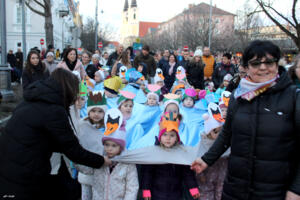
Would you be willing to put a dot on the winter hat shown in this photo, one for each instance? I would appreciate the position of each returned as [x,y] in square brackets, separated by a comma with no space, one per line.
[96,99]
[113,84]
[153,90]
[122,71]
[211,119]
[169,122]
[225,97]
[171,98]
[101,74]
[132,75]
[125,95]
[190,92]
[114,127]
[228,77]
[159,75]
[50,54]
[198,52]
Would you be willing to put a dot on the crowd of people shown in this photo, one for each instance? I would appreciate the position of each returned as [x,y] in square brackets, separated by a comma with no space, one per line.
[173,126]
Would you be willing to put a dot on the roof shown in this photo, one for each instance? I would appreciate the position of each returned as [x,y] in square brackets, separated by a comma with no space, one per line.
[144,27]
[204,8]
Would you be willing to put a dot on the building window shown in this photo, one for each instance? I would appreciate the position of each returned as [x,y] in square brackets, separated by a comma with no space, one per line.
[19,14]
[134,16]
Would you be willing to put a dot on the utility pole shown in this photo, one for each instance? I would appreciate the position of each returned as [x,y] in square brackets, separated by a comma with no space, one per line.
[3,32]
[96,26]
[23,30]
[210,16]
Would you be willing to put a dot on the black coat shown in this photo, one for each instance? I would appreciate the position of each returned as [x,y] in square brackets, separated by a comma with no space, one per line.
[112,59]
[149,61]
[169,80]
[11,59]
[165,181]
[30,77]
[220,71]
[195,74]
[91,69]
[38,127]
[264,135]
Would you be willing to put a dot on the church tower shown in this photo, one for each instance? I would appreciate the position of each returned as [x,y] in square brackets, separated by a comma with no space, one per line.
[130,23]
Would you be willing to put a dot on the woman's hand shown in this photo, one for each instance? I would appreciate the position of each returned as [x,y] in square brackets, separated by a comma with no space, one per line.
[291,196]
[196,196]
[107,161]
[199,165]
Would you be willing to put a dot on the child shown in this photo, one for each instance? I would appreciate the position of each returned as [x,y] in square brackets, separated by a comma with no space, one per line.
[162,182]
[99,78]
[90,137]
[159,80]
[224,101]
[153,92]
[142,68]
[118,181]
[189,98]
[211,180]
[112,86]
[209,87]
[225,83]
[125,103]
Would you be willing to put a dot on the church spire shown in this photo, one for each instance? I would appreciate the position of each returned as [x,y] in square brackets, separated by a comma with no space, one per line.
[133,3]
[126,5]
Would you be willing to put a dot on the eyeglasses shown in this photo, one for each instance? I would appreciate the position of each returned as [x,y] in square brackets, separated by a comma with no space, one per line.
[267,62]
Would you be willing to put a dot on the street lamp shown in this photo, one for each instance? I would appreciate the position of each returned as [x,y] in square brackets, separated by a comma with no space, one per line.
[63,13]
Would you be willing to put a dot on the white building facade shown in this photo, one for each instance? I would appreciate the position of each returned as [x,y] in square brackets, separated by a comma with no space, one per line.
[35,31]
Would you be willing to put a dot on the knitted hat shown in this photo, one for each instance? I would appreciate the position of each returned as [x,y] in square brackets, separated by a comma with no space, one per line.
[50,54]
[225,97]
[198,52]
[96,100]
[190,92]
[101,74]
[113,84]
[228,77]
[171,98]
[132,75]
[210,121]
[153,90]
[124,96]
[114,127]
[159,75]
[122,71]
[169,122]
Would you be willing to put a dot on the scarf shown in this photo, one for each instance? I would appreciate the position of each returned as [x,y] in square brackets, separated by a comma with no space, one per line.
[171,68]
[249,90]
[71,66]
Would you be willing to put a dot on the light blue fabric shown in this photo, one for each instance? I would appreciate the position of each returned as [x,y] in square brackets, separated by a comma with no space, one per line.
[83,111]
[99,87]
[112,102]
[194,125]
[220,90]
[140,97]
[130,88]
[201,105]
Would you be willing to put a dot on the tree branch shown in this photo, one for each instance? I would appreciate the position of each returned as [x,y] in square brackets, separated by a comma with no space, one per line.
[39,3]
[34,10]
[276,22]
[294,12]
[283,17]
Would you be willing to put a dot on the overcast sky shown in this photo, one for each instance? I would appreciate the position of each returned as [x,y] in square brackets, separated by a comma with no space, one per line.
[160,10]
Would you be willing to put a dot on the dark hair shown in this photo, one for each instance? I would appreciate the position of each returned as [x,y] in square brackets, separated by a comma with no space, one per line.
[171,54]
[67,52]
[69,84]
[88,53]
[146,48]
[227,55]
[144,71]
[259,49]
[100,124]
[29,67]
[292,69]
[50,46]
[130,50]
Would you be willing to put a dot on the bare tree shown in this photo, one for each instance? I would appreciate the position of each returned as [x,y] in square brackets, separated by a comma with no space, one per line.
[43,8]
[87,37]
[292,27]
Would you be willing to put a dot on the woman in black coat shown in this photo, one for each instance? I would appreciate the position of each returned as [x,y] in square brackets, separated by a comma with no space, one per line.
[169,70]
[38,127]
[263,130]
[195,72]
[34,69]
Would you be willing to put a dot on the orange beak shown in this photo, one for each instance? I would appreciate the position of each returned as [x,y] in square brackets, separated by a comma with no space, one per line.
[161,76]
[218,117]
[178,72]
[110,128]
[226,101]
[123,73]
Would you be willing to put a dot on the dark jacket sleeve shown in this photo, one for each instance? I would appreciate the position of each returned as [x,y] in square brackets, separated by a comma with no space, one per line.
[295,186]
[153,67]
[147,172]
[110,60]
[25,79]
[215,77]
[60,131]
[223,141]
[189,177]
